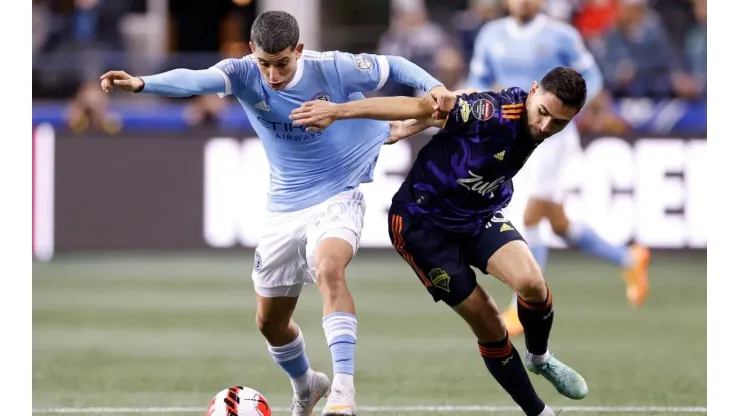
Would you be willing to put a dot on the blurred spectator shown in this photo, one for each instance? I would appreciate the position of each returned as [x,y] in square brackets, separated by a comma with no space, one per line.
[80,35]
[677,17]
[637,58]
[595,17]
[696,46]
[600,117]
[450,68]
[412,36]
[467,23]
[560,9]
[89,111]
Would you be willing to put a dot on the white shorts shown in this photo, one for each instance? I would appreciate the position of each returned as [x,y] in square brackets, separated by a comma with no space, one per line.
[545,169]
[284,258]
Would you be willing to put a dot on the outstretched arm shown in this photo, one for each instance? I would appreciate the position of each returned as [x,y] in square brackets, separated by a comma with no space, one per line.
[318,115]
[176,83]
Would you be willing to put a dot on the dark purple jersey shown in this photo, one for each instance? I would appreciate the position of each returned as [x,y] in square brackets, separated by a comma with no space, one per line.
[463,175]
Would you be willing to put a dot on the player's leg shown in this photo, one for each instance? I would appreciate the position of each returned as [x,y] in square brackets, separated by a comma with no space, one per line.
[539,169]
[437,261]
[278,279]
[633,260]
[500,357]
[501,252]
[332,241]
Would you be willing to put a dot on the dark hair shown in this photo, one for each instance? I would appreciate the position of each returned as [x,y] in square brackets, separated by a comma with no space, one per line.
[274,31]
[566,84]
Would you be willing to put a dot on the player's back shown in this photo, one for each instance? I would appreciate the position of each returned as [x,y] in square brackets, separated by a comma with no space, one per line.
[512,55]
[306,167]
[463,175]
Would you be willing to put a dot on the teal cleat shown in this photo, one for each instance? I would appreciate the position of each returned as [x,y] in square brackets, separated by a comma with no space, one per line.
[566,380]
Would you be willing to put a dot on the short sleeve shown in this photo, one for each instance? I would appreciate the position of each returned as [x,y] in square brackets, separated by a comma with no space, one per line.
[235,73]
[471,112]
[361,72]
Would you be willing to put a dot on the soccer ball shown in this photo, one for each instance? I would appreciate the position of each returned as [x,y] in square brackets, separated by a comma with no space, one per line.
[239,401]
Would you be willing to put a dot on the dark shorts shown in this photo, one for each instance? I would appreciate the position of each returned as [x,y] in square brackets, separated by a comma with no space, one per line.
[442,259]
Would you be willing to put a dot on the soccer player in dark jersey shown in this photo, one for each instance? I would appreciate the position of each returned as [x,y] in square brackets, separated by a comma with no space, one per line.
[446,218]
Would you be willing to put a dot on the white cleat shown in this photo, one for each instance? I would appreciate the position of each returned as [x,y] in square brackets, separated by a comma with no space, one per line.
[319,387]
[341,402]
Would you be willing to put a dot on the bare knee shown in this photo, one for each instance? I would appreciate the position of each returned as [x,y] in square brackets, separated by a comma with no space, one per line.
[330,276]
[274,319]
[529,284]
[558,221]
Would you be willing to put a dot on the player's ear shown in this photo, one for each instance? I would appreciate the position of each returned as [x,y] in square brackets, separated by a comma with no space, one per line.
[298,50]
[534,88]
[252,47]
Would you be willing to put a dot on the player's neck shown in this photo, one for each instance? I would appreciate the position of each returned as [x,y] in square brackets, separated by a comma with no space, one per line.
[525,20]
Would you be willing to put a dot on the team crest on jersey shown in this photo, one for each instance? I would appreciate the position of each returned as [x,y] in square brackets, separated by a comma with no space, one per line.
[257,261]
[321,96]
[483,109]
[362,62]
[464,110]
[440,279]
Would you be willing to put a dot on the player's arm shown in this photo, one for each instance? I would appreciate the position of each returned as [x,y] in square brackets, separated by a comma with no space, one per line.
[176,83]
[318,114]
[181,82]
[481,76]
[581,59]
[369,72]
[403,129]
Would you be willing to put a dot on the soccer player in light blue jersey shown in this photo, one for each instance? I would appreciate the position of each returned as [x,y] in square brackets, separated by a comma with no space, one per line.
[512,52]
[315,207]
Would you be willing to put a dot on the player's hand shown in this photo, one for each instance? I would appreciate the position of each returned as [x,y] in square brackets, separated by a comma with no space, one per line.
[315,115]
[121,81]
[398,132]
[442,100]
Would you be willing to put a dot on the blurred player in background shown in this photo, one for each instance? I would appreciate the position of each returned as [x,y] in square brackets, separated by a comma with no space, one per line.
[515,51]
[446,218]
[315,208]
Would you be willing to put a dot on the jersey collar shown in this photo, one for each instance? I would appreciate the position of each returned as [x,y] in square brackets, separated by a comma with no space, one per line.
[298,73]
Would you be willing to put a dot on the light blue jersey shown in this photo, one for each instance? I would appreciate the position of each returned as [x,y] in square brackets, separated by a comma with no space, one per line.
[511,55]
[306,168]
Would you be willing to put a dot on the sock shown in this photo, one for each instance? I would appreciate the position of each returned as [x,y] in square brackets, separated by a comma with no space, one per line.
[505,365]
[294,361]
[587,240]
[341,335]
[537,245]
[536,320]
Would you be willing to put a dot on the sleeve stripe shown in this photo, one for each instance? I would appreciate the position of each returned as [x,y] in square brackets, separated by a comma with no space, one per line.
[226,79]
[384,69]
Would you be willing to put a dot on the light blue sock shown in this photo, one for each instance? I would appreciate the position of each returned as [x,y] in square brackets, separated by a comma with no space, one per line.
[291,357]
[341,335]
[587,240]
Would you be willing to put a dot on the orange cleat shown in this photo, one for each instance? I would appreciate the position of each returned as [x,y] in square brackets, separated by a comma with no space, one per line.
[511,320]
[636,277]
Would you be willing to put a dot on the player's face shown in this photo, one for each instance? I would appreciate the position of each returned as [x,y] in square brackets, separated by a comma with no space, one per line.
[524,9]
[277,69]
[546,114]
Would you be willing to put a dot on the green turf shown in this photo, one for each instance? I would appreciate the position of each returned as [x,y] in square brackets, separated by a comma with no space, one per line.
[162,331]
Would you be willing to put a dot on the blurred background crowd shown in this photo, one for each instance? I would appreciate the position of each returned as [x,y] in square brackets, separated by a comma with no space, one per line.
[650,51]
